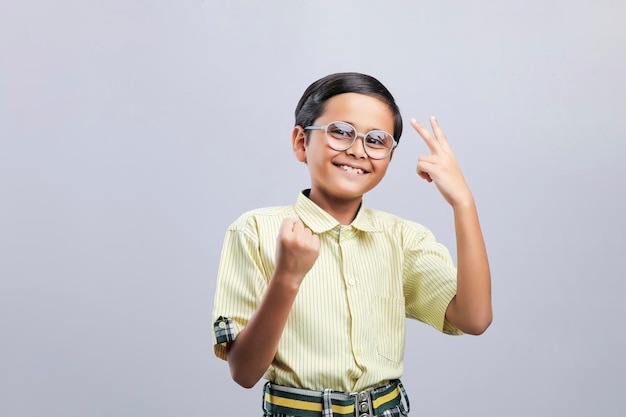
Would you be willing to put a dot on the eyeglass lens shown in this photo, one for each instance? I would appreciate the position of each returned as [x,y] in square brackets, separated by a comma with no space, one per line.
[341,136]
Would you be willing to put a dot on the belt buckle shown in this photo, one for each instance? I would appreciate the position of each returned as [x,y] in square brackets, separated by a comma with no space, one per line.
[363,404]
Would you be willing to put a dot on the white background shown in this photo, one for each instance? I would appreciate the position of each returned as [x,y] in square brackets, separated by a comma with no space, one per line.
[134,132]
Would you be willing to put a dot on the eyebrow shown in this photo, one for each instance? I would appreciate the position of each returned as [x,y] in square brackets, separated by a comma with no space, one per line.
[366,131]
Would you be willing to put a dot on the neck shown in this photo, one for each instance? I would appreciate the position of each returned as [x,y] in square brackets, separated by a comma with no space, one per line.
[344,211]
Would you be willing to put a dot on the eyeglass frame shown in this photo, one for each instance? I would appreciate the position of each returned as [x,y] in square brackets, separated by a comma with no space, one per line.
[362,135]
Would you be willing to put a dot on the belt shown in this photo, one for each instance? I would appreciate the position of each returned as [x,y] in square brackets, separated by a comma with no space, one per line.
[278,399]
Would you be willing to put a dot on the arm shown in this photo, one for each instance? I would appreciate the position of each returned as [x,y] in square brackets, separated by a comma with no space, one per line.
[253,350]
[470,310]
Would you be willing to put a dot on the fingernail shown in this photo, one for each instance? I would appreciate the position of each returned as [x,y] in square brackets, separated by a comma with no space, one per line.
[433,118]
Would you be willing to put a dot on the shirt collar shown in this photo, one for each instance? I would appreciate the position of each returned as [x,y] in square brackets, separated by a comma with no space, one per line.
[319,221]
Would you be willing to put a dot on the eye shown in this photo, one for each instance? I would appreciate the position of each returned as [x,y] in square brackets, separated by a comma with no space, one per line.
[342,131]
[379,139]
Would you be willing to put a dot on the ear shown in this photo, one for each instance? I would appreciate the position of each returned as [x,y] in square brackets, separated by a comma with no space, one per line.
[298,143]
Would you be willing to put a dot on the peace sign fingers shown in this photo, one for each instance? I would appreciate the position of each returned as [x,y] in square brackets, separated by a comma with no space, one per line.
[435,141]
[441,166]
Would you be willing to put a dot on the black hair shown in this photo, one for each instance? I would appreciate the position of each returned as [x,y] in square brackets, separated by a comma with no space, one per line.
[313,101]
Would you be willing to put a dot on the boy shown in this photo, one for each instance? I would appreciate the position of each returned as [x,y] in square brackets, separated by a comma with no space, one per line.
[314,296]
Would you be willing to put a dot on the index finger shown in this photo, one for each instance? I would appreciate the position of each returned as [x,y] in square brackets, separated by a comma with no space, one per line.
[289,224]
[431,142]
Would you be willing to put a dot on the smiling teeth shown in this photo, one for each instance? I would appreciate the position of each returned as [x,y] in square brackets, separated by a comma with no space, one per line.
[350,169]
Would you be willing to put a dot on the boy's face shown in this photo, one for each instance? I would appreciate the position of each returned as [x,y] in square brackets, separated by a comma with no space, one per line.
[344,176]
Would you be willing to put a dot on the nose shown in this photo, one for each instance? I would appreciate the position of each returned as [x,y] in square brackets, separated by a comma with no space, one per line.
[358,147]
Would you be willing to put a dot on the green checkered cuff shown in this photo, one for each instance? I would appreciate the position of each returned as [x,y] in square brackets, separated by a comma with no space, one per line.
[224,330]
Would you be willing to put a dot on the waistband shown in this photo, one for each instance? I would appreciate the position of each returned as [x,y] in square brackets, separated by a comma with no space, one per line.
[278,399]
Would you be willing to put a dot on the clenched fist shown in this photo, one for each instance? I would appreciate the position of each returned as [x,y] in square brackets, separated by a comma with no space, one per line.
[297,250]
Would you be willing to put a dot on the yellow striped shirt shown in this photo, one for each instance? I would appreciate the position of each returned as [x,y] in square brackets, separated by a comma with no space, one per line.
[346,329]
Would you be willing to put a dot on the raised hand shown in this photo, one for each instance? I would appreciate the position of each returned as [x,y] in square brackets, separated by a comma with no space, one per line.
[441,166]
[470,310]
[252,352]
[297,250]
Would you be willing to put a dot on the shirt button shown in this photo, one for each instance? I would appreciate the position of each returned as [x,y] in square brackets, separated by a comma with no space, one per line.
[222,325]
[352,281]
[358,352]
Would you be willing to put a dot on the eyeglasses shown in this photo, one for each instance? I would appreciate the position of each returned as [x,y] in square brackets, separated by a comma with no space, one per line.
[341,136]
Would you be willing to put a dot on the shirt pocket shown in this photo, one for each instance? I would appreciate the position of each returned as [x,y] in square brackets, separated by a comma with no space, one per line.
[390,327]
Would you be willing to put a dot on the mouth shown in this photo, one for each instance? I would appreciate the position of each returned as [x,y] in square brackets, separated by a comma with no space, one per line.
[351,169]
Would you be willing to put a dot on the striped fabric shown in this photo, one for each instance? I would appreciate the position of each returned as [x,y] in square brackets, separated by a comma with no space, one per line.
[346,329]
